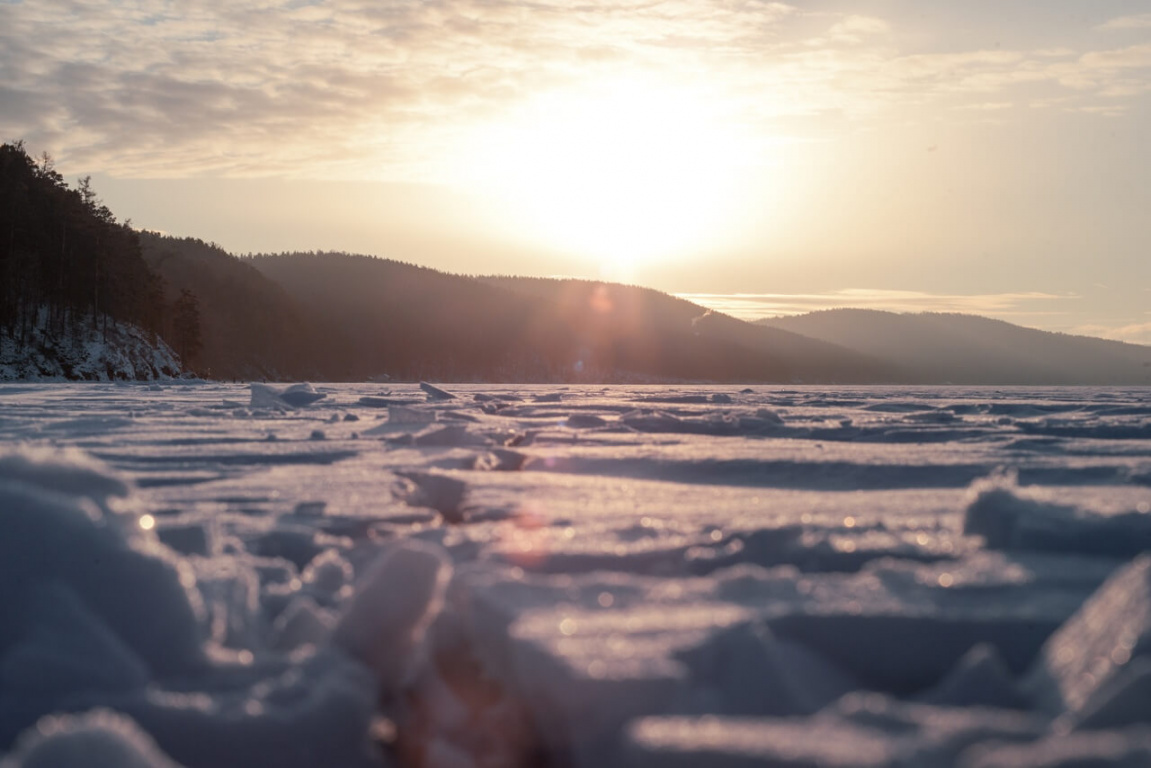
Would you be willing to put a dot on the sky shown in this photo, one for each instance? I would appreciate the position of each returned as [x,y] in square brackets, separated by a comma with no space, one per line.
[761,158]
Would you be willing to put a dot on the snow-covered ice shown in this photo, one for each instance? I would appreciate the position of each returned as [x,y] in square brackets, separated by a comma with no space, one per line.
[204,574]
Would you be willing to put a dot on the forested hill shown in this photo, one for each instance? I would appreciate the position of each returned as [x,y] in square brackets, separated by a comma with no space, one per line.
[339,317]
[70,273]
[409,322]
[412,322]
[632,327]
[934,347]
[250,328]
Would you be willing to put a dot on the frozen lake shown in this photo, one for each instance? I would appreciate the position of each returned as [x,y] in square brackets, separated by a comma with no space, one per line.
[575,576]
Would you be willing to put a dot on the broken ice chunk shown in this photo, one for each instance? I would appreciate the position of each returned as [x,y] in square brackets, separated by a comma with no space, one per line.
[1125,700]
[440,492]
[752,672]
[584,421]
[981,678]
[1091,648]
[435,393]
[1013,518]
[383,624]
[295,396]
[500,460]
[450,436]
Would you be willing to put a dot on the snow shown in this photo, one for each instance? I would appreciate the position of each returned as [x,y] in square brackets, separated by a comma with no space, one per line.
[292,396]
[579,576]
[98,739]
[1124,749]
[385,620]
[121,352]
[1009,517]
[859,731]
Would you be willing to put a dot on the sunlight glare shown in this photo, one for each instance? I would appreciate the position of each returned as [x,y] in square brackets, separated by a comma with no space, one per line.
[624,173]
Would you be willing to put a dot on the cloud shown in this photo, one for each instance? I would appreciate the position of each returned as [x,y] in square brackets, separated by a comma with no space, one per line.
[1134,333]
[1137,21]
[361,89]
[856,29]
[270,87]
[1131,57]
[751,306]
[987,106]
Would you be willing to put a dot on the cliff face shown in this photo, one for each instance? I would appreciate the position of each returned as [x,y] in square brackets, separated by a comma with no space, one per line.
[123,352]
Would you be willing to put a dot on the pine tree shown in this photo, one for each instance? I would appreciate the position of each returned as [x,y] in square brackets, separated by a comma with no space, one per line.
[186,327]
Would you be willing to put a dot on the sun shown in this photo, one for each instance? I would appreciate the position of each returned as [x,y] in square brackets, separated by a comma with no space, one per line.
[623,173]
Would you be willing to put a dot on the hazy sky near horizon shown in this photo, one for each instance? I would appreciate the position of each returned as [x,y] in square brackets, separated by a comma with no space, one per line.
[989,156]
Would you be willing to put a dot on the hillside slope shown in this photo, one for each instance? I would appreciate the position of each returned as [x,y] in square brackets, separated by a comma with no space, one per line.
[968,349]
[81,351]
[412,322]
[406,321]
[250,328]
[646,329]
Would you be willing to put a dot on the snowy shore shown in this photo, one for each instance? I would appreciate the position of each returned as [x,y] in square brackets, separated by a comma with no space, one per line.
[202,574]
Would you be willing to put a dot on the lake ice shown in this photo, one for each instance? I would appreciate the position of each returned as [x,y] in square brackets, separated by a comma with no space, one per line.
[202,574]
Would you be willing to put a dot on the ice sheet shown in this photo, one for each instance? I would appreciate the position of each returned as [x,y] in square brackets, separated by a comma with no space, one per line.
[574,576]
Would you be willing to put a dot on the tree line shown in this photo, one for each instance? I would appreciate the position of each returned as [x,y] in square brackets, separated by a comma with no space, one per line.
[69,268]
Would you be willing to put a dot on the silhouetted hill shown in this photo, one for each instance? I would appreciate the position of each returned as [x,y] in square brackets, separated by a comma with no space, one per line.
[406,321]
[968,349]
[249,327]
[641,329]
[412,322]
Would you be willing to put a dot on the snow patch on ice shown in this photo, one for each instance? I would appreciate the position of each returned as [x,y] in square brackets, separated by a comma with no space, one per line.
[393,605]
[287,398]
[98,739]
[1012,517]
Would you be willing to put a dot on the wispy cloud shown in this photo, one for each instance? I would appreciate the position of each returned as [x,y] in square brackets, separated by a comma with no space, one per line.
[987,106]
[752,306]
[1136,21]
[1135,333]
[357,89]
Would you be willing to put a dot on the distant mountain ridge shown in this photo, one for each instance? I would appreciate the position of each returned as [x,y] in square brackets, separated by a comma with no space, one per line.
[345,317]
[644,328]
[936,348]
[414,322]
[250,328]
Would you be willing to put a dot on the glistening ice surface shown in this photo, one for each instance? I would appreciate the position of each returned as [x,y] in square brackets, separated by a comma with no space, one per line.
[355,575]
